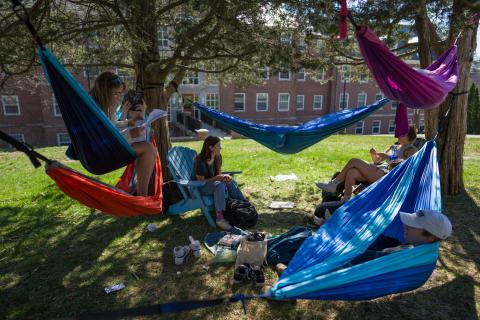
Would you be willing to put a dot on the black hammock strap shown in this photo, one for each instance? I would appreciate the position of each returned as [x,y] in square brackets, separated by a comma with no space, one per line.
[25,148]
[17,7]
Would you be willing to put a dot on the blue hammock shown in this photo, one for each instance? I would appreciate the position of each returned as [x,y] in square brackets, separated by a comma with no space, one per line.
[95,140]
[292,139]
[316,270]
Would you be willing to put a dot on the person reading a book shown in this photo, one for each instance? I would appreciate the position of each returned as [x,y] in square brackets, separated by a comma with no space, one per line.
[208,167]
[107,92]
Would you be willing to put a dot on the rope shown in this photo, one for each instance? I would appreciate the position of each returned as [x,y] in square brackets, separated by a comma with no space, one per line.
[170,307]
[17,7]
[25,148]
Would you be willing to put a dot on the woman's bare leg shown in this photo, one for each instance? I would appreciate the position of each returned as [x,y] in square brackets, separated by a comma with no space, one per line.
[352,178]
[146,153]
[352,163]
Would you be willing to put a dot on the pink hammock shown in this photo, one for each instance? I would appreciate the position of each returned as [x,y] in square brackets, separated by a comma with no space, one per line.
[419,89]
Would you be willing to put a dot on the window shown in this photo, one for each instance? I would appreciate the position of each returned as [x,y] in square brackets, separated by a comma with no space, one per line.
[343,100]
[376,125]
[239,102]
[363,77]
[63,139]
[284,75]
[301,74]
[394,105]
[262,101]
[359,127]
[300,102]
[56,109]
[362,100]
[283,101]
[421,126]
[391,126]
[11,107]
[212,101]
[378,96]
[317,102]
[163,37]
[320,75]
[345,73]
[18,136]
[191,77]
[302,46]
[264,73]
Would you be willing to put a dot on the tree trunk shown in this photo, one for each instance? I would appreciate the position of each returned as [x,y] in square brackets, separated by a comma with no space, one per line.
[451,137]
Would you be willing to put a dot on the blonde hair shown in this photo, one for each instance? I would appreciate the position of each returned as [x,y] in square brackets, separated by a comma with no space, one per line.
[102,90]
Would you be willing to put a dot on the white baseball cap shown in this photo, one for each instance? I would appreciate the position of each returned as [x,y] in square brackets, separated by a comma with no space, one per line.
[433,221]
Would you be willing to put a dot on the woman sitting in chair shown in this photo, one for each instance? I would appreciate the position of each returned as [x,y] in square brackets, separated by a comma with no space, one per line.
[107,92]
[357,170]
[208,167]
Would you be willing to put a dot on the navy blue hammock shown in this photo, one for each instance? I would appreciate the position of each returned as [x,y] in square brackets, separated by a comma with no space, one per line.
[292,139]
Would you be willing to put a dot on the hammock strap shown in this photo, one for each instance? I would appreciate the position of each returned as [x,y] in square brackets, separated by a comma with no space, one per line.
[17,7]
[170,307]
[25,148]
[442,122]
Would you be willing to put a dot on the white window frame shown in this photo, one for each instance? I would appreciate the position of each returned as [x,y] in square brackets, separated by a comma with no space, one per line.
[421,125]
[4,104]
[322,75]
[243,98]
[356,126]
[366,77]
[279,100]
[340,104]
[391,124]
[379,94]
[212,97]
[190,78]
[321,102]
[257,99]
[395,105]
[342,72]
[358,99]
[163,37]
[303,101]
[267,71]
[301,72]
[59,135]
[379,126]
[284,79]
[56,109]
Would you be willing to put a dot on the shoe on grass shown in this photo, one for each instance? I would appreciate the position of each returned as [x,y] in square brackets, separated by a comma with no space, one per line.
[223,224]
[257,275]
[242,273]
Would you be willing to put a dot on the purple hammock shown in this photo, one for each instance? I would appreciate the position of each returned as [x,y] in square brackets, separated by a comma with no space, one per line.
[418,89]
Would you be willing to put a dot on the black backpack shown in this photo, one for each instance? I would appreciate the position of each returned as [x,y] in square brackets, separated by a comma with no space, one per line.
[281,249]
[240,213]
[171,194]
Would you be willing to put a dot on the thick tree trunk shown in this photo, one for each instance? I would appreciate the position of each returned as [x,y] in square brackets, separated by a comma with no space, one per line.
[451,137]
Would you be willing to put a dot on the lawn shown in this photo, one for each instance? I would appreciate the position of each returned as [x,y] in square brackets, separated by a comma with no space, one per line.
[56,256]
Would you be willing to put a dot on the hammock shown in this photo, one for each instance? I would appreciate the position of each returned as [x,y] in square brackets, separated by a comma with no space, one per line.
[95,140]
[316,270]
[420,89]
[292,139]
[111,200]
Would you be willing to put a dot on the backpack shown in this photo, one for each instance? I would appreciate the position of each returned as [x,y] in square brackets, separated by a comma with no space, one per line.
[240,213]
[170,194]
[321,210]
[282,248]
[334,196]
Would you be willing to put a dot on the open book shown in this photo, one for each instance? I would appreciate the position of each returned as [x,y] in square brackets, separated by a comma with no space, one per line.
[139,132]
[153,116]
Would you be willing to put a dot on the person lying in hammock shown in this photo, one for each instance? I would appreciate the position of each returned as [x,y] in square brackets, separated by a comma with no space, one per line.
[208,167]
[357,170]
[421,227]
[107,92]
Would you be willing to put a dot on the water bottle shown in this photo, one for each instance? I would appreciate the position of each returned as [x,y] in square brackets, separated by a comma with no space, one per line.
[392,157]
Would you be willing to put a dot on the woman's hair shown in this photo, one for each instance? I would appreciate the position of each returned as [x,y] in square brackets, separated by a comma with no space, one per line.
[412,133]
[102,90]
[204,155]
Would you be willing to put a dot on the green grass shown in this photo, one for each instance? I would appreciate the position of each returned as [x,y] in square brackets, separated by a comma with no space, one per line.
[56,256]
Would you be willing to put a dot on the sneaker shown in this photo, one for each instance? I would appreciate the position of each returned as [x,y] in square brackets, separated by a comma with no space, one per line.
[180,253]
[242,273]
[329,187]
[257,275]
[223,224]
[195,247]
[280,267]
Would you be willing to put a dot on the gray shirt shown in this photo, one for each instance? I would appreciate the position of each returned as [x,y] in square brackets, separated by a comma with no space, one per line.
[203,169]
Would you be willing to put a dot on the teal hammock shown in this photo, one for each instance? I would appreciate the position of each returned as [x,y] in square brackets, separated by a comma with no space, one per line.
[293,139]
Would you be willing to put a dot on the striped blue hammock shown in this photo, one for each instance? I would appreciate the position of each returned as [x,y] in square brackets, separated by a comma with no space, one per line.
[292,139]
